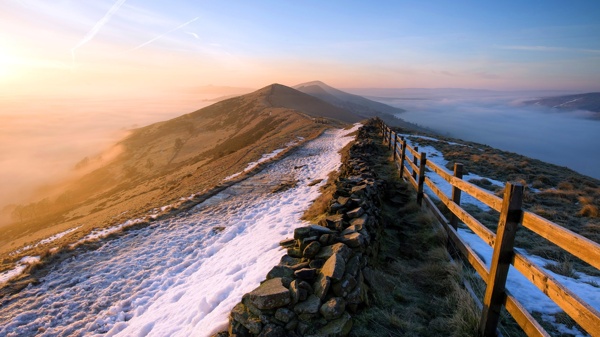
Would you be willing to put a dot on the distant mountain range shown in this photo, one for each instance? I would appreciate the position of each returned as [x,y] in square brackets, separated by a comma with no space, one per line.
[588,102]
[158,164]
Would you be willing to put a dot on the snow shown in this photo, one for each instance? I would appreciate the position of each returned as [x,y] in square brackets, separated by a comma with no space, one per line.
[437,157]
[265,157]
[178,276]
[19,268]
[533,299]
[46,240]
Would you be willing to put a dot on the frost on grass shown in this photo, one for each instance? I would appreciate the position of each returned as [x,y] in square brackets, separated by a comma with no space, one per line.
[177,276]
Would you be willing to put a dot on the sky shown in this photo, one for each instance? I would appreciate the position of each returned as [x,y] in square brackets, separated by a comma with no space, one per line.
[76,75]
[129,48]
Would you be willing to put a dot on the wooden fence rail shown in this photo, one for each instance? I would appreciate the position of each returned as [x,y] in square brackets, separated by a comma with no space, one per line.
[413,167]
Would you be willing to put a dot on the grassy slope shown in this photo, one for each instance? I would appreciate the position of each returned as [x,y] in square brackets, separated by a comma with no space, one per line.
[418,291]
[161,163]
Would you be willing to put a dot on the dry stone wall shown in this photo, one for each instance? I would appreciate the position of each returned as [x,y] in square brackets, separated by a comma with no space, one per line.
[323,278]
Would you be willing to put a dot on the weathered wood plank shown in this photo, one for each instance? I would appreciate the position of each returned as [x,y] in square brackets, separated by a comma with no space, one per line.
[478,193]
[458,173]
[581,312]
[510,217]
[483,232]
[582,247]
[422,164]
[410,178]
[414,151]
[439,170]
[529,325]
[402,157]
[414,166]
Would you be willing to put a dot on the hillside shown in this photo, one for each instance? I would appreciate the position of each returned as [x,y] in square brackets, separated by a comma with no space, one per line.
[158,164]
[359,105]
[588,102]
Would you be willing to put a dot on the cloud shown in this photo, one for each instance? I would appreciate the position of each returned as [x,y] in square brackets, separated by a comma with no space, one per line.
[193,34]
[92,32]
[163,34]
[550,49]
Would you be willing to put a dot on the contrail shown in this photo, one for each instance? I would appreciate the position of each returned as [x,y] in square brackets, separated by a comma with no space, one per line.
[163,34]
[90,35]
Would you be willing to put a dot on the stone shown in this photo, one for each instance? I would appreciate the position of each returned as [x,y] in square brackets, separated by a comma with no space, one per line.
[291,326]
[310,306]
[361,221]
[287,243]
[285,315]
[299,266]
[272,330]
[321,286]
[280,271]
[334,308]
[338,248]
[355,213]
[345,286]
[305,273]
[334,267]
[301,232]
[354,240]
[360,190]
[332,222]
[306,286]
[287,260]
[311,249]
[238,329]
[317,264]
[270,294]
[294,252]
[351,229]
[343,201]
[296,293]
[353,265]
[335,207]
[338,328]
[325,239]
[241,314]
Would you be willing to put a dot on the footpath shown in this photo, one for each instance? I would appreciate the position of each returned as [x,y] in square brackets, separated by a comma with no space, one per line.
[355,271]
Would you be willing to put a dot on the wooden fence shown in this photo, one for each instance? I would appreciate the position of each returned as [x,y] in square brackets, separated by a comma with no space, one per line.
[413,166]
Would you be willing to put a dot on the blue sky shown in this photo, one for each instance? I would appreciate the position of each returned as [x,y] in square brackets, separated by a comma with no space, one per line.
[143,45]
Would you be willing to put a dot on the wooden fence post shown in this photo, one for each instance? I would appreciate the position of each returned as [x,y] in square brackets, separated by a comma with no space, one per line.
[423,163]
[510,216]
[458,173]
[402,157]
[414,173]
[394,147]
[390,139]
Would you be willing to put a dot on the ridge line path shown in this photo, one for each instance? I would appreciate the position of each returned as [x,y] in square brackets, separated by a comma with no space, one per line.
[179,276]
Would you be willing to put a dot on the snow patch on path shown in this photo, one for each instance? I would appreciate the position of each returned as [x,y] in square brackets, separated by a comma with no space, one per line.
[179,276]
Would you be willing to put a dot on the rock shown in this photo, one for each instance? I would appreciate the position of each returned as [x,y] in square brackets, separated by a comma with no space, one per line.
[301,233]
[343,201]
[354,240]
[321,286]
[355,213]
[332,222]
[294,252]
[300,265]
[338,328]
[250,321]
[353,265]
[270,294]
[332,309]
[338,248]
[272,330]
[311,249]
[306,286]
[310,306]
[335,207]
[305,273]
[325,239]
[280,271]
[287,243]
[351,229]
[345,286]
[361,221]
[285,315]
[317,264]
[238,329]
[297,294]
[221,334]
[291,326]
[359,191]
[334,267]
[287,260]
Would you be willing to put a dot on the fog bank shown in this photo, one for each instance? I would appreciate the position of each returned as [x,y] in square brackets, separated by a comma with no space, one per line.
[500,120]
[42,140]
